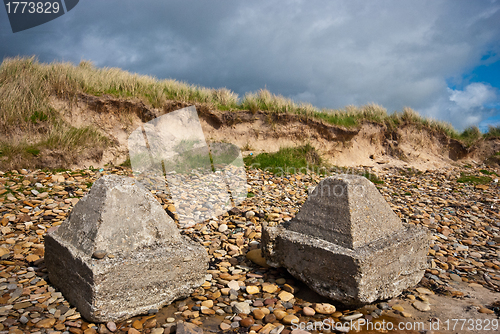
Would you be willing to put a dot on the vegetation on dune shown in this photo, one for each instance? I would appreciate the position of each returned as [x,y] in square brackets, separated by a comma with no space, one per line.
[475,179]
[288,160]
[26,86]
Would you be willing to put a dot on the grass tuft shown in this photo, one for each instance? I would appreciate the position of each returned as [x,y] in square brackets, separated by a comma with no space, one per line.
[288,160]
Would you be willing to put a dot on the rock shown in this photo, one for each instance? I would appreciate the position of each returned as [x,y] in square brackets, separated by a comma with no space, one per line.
[324,308]
[258,314]
[120,217]
[111,326]
[188,328]
[351,317]
[289,319]
[157,331]
[285,296]
[234,285]
[247,322]
[255,255]
[270,318]
[241,308]
[309,312]
[455,278]
[280,314]
[421,306]
[270,288]
[223,228]
[132,330]
[45,323]
[223,326]
[424,291]
[486,310]
[252,289]
[99,254]
[346,223]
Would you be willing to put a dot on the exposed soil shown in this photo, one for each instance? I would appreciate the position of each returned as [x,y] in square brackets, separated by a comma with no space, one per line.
[369,144]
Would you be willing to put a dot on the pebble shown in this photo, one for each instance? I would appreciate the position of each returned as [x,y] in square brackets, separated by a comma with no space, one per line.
[111,326]
[252,289]
[99,254]
[486,310]
[324,308]
[421,306]
[247,322]
[241,308]
[308,311]
[223,326]
[350,317]
[285,296]
[463,219]
[289,319]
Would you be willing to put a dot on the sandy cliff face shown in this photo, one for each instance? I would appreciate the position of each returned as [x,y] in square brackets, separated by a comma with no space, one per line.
[369,144]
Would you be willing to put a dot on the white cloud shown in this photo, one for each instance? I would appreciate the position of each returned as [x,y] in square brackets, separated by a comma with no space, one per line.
[467,107]
[475,95]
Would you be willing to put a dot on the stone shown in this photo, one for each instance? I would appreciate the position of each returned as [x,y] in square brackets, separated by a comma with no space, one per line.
[347,224]
[308,311]
[421,306]
[234,285]
[455,278]
[188,328]
[247,322]
[324,308]
[45,323]
[258,314]
[270,318]
[158,331]
[270,288]
[111,326]
[223,326]
[252,289]
[285,296]
[486,310]
[120,217]
[289,319]
[255,255]
[241,308]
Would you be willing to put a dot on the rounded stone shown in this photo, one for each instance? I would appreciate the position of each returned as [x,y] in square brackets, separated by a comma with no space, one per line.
[308,311]
[99,254]
[247,322]
[258,314]
[289,319]
[270,318]
[252,289]
[324,308]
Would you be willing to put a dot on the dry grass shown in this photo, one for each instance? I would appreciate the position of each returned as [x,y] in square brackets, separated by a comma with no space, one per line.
[26,86]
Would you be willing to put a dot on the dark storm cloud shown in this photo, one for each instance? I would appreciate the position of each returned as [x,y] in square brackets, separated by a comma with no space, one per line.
[329,53]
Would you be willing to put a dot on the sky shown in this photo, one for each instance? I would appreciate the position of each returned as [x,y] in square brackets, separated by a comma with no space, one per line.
[441,58]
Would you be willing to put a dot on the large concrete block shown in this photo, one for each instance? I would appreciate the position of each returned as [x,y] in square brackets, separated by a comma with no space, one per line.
[347,244]
[147,262]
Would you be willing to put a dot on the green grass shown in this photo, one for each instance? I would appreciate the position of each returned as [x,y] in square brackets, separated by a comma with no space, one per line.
[487,172]
[493,132]
[288,160]
[374,178]
[469,178]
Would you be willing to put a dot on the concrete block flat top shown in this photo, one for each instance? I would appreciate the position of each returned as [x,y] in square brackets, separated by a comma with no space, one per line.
[109,219]
[347,210]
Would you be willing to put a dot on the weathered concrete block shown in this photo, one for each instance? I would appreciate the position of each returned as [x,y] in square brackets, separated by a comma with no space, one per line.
[147,262]
[347,244]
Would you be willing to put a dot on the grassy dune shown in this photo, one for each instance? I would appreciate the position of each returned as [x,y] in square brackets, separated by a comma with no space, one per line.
[28,124]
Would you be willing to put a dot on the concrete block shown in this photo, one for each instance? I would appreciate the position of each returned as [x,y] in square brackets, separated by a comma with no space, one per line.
[347,244]
[119,254]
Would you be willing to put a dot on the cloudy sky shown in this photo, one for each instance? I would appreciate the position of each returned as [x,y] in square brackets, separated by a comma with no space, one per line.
[441,58]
